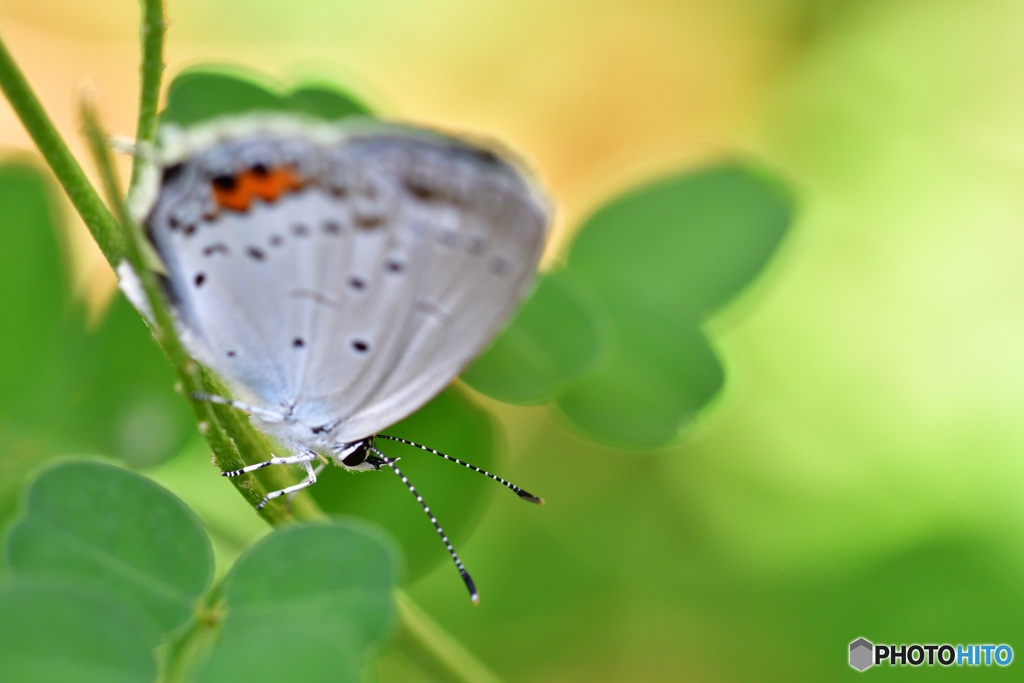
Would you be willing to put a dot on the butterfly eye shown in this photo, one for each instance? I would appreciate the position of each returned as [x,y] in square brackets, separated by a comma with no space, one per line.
[357,457]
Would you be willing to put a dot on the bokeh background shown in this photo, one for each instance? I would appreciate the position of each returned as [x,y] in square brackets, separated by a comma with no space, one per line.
[859,475]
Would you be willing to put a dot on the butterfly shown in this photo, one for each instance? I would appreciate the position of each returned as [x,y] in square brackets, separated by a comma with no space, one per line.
[336,275]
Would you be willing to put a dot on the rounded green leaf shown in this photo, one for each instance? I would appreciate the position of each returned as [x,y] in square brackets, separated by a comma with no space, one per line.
[660,260]
[69,631]
[118,529]
[209,91]
[648,387]
[451,424]
[555,339]
[682,246]
[327,102]
[305,603]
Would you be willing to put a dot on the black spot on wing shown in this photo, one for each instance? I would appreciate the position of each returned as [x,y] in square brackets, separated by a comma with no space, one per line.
[171,173]
[215,248]
[501,266]
[225,182]
[368,220]
[256,253]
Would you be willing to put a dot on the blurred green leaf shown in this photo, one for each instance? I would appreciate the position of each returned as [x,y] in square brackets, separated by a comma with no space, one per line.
[555,339]
[682,246]
[652,383]
[660,260]
[106,390]
[306,603]
[66,631]
[203,93]
[18,458]
[450,423]
[327,102]
[118,529]
[33,294]
[208,91]
[112,390]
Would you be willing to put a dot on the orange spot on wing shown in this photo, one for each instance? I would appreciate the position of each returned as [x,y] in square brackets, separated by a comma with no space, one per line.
[269,185]
[274,184]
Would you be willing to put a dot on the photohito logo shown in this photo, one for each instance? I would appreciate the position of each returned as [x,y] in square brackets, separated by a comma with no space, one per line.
[863,654]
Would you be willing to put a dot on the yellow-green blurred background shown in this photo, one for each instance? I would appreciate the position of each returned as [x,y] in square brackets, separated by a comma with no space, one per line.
[861,474]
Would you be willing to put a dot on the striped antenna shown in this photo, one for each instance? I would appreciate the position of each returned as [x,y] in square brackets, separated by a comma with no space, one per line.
[390,462]
[525,495]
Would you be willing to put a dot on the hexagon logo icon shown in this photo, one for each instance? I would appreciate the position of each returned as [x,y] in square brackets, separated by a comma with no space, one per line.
[861,654]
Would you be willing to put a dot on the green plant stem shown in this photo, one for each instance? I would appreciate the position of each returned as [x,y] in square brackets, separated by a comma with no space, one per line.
[80,191]
[180,655]
[150,72]
[432,648]
[227,454]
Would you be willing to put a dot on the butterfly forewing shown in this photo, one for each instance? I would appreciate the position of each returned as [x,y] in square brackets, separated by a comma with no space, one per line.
[346,274]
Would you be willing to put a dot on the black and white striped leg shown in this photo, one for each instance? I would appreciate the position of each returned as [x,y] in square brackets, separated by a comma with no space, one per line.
[268,415]
[311,474]
[290,491]
[525,495]
[390,462]
[303,459]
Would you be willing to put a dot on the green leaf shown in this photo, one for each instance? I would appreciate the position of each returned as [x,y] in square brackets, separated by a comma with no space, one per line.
[69,631]
[118,529]
[660,260]
[451,424]
[112,390]
[682,246]
[555,339]
[203,93]
[18,459]
[650,385]
[32,290]
[106,390]
[327,102]
[208,91]
[305,603]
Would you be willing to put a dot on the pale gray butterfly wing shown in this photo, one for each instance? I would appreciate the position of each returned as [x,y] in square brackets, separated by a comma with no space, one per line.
[341,273]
